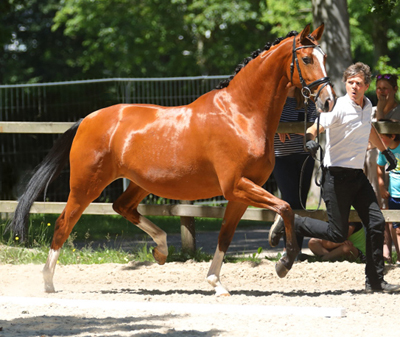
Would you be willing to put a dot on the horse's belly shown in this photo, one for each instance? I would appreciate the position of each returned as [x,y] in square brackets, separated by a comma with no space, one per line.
[176,185]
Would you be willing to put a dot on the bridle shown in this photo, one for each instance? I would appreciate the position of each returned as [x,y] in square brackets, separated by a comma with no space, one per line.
[306,92]
[306,89]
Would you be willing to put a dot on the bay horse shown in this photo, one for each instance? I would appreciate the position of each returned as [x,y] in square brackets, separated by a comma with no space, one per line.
[220,144]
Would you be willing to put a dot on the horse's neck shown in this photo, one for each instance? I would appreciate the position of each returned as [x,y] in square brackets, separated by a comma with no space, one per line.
[260,88]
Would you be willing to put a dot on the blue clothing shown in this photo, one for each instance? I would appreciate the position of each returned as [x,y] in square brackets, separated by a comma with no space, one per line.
[394,203]
[294,145]
[394,175]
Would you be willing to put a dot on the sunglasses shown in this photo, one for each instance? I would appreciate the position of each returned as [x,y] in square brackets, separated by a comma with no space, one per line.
[386,77]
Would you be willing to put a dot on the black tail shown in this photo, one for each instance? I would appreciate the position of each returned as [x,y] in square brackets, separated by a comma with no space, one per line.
[44,173]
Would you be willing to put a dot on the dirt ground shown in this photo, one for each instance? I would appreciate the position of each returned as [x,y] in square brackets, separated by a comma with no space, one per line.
[175,300]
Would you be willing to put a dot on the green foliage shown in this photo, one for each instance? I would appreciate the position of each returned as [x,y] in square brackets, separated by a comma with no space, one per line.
[52,40]
[383,67]
[285,16]
[374,33]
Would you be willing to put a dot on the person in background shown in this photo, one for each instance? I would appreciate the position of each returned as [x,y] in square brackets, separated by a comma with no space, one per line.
[344,183]
[352,249]
[387,108]
[391,193]
[386,89]
[293,164]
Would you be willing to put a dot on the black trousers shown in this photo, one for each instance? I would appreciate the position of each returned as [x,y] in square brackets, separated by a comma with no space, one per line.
[293,184]
[341,189]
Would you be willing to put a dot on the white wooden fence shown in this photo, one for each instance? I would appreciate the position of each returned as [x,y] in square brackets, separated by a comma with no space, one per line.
[184,211]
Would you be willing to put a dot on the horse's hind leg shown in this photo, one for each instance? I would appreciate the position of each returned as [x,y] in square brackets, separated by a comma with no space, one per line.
[127,204]
[64,225]
[233,214]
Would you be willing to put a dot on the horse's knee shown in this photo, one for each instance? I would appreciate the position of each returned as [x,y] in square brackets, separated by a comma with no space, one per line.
[285,211]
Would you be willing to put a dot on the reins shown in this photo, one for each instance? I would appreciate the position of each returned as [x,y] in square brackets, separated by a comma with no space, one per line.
[306,92]
[318,183]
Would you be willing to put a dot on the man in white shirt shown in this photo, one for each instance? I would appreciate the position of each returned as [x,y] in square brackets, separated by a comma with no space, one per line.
[344,184]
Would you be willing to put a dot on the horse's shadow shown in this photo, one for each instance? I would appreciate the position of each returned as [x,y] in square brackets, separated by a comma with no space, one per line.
[147,325]
[249,293]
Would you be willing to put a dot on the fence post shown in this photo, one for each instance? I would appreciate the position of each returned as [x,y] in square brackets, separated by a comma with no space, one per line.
[188,232]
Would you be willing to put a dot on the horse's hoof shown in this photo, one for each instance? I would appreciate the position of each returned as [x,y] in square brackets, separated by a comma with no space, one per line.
[159,257]
[280,269]
[49,288]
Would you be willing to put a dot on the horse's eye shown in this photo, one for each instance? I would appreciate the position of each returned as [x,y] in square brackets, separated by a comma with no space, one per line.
[306,60]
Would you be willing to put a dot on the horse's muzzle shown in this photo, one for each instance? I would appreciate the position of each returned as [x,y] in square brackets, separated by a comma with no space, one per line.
[326,101]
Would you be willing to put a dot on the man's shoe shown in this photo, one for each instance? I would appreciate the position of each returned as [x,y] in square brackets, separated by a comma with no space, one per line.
[276,232]
[384,287]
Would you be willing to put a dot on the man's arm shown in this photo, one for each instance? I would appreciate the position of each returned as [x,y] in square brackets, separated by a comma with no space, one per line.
[312,131]
[311,145]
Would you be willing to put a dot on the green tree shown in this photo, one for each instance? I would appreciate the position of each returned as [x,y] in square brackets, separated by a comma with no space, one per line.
[31,51]
[51,40]
[163,38]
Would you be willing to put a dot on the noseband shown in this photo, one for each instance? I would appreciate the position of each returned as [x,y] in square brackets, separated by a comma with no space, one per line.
[306,89]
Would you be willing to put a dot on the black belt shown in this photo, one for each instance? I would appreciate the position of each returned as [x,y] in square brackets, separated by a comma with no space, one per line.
[337,170]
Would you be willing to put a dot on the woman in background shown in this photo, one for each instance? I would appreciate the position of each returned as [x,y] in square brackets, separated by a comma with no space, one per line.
[387,108]
[291,158]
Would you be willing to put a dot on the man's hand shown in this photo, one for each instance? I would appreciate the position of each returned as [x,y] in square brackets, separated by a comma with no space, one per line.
[312,147]
[391,159]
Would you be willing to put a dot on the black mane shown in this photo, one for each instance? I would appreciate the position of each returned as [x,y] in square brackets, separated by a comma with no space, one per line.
[254,54]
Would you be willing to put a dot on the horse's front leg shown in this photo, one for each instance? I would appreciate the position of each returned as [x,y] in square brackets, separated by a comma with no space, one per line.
[248,192]
[233,214]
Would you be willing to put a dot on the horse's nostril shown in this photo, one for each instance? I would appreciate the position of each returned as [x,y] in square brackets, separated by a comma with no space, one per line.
[327,105]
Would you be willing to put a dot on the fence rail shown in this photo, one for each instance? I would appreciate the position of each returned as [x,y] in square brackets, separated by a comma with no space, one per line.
[61,127]
[217,212]
[180,210]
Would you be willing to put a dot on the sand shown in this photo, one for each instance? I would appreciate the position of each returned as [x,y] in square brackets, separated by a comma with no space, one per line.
[145,299]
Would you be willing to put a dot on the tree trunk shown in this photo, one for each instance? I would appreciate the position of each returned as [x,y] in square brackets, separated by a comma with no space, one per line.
[336,39]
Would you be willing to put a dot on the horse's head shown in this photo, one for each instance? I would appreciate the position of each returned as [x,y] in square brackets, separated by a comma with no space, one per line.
[307,69]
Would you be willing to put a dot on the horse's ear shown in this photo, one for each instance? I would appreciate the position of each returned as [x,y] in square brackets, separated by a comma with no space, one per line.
[316,34]
[304,33]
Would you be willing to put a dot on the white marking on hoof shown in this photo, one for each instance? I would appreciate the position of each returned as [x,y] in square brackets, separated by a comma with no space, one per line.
[220,290]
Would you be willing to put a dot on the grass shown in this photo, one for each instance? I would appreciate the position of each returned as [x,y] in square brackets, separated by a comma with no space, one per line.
[102,226]
[92,228]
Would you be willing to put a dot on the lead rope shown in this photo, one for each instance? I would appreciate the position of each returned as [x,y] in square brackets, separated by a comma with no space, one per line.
[318,183]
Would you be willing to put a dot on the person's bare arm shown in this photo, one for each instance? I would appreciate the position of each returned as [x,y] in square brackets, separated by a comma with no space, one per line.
[382,101]
[312,131]
[376,139]
[381,181]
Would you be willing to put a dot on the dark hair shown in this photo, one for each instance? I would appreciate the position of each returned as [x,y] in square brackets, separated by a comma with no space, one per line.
[391,78]
[358,68]
[396,136]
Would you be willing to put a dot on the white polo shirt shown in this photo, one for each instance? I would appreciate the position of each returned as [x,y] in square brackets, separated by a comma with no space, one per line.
[348,128]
